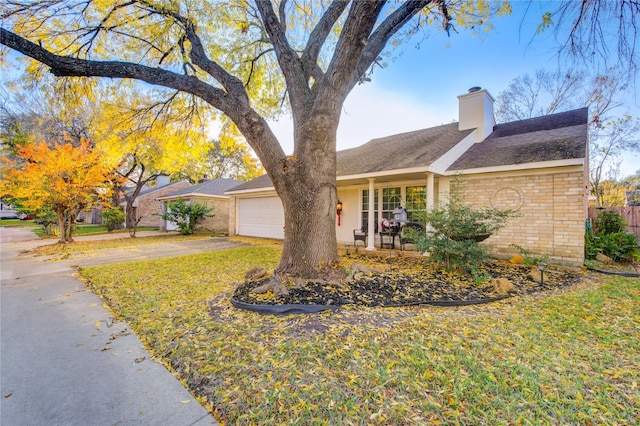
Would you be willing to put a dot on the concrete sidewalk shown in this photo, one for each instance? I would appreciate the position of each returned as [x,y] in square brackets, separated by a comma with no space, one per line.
[66,361]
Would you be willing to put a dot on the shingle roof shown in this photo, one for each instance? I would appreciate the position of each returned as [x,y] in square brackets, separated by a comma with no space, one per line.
[553,137]
[208,187]
[154,189]
[401,151]
[559,136]
[260,182]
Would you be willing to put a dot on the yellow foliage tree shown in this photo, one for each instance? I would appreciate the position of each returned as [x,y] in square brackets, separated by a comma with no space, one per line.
[63,179]
[247,60]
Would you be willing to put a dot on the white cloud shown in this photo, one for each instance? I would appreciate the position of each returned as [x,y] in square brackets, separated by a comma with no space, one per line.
[370,113]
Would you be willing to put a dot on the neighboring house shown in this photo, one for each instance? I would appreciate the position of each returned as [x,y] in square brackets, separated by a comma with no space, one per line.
[209,192]
[7,211]
[146,205]
[538,167]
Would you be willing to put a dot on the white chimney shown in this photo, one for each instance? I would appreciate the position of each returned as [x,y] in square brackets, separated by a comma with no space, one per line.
[476,112]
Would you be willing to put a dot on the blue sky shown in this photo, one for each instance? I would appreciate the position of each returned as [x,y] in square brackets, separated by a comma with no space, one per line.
[419,88]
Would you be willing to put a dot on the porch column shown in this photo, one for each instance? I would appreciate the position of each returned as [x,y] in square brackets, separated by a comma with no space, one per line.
[430,197]
[430,191]
[371,217]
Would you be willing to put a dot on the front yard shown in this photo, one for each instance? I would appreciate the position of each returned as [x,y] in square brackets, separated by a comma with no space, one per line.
[569,356]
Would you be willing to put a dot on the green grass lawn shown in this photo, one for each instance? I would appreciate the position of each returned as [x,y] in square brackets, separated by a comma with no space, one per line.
[17,223]
[570,357]
[81,247]
[98,229]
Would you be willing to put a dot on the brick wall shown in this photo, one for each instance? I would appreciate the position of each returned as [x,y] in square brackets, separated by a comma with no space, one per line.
[219,222]
[552,207]
[148,207]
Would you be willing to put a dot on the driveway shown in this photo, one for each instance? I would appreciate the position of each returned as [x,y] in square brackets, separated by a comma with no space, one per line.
[66,360]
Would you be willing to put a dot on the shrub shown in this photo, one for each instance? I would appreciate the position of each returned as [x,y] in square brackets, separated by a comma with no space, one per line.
[619,246]
[611,239]
[46,219]
[112,219]
[455,228]
[591,245]
[186,215]
[609,222]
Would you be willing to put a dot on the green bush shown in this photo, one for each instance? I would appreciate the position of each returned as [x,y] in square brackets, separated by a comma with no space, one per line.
[112,219]
[611,239]
[609,222]
[591,245]
[619,246]
[455,228]
[47,219]
[186,215]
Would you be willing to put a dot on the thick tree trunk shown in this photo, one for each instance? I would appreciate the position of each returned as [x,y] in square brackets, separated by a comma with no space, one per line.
[307,188]
[310,238]
[65,226]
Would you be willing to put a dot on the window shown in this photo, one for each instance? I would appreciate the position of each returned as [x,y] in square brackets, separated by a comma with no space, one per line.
[365,206]
[391,198]
[416,199]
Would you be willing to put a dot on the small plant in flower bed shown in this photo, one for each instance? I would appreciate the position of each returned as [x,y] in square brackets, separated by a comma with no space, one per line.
[410,283]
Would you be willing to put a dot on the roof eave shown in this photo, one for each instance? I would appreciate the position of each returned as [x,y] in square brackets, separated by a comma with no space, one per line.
[518,167]
[191,194]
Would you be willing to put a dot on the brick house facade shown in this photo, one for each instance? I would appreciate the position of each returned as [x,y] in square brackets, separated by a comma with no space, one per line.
[147,207]
[538,167]
[210,193]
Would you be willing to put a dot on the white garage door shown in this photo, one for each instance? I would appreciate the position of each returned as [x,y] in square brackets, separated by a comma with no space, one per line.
[261,217]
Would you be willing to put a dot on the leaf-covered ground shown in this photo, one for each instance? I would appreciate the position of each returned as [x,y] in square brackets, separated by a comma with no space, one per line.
[566,356]
[409,280]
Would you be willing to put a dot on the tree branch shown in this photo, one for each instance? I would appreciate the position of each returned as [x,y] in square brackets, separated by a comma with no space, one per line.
[353,40]
[297,83]
[318,36]
[237,108]
[64,66]
[199,57]
[387,29]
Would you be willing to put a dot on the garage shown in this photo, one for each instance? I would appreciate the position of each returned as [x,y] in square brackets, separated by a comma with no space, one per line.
[261,217]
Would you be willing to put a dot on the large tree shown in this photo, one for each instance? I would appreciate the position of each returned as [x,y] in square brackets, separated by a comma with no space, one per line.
[146,142]
[64,179]
[227,54]
[240,57]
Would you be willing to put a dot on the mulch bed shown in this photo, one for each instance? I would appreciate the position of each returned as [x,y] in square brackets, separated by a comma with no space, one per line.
[411,282]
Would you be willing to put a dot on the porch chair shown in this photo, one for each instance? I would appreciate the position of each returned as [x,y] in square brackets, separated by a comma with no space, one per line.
[360,235]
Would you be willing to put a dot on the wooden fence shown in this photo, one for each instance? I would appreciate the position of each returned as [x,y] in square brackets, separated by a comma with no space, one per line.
[631,214]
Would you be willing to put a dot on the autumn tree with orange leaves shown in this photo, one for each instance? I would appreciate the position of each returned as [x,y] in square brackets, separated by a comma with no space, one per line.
[63,179]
